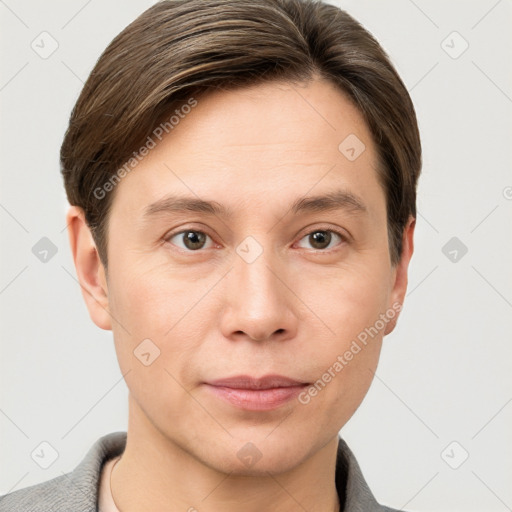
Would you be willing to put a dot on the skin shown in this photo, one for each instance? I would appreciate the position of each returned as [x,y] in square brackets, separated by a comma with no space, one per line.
[212,314]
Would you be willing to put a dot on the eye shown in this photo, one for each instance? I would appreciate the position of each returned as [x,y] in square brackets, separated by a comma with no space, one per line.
[321,238]
[191,239]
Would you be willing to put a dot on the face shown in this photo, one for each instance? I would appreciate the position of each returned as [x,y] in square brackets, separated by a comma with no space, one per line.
[261,283]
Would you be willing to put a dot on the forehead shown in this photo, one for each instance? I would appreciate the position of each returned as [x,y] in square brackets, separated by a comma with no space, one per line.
[256,141]
[308,116]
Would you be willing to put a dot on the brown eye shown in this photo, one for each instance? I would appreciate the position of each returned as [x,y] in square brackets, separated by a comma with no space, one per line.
[191,240]
[321,239]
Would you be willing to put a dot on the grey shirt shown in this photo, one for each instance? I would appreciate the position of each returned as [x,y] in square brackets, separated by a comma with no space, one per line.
[77,491]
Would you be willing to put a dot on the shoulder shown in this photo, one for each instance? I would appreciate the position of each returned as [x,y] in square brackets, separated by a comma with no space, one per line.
[76,490]
[351,484]
[49,495]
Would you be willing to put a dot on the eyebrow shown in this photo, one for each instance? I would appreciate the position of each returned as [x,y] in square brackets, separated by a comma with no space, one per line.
[172,203]
[336,200]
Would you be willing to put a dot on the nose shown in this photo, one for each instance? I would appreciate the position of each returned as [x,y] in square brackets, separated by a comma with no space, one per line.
[259,303]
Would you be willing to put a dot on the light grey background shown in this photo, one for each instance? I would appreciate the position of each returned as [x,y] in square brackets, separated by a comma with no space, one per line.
[445,372]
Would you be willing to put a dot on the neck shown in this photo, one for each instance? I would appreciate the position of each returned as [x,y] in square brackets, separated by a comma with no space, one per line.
[159,473]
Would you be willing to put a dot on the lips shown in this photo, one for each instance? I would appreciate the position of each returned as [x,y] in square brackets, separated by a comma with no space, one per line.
[248,382]
[256,394]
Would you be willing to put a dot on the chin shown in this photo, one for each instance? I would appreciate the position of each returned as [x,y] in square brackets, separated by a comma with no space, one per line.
[245,457]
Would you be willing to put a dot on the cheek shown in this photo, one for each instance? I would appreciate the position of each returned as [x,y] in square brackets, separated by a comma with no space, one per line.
[350,305]
[347,301]
[346,361]
[155,339]
[152,303]
[165,316]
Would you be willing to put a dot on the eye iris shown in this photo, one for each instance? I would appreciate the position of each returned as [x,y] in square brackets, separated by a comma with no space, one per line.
[194,239]
[320,237]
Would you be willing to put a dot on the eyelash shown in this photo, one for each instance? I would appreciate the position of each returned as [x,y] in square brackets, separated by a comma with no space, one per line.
[344,238]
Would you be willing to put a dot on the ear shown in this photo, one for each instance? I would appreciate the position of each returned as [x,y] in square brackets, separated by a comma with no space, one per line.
[400,273]
[89,269]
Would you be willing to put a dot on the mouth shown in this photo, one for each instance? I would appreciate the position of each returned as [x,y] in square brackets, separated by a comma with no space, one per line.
[256,394]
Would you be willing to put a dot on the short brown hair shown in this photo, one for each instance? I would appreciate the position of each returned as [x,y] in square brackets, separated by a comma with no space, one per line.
[178,49]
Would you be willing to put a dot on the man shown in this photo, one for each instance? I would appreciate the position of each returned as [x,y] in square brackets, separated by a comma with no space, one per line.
[242,176]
